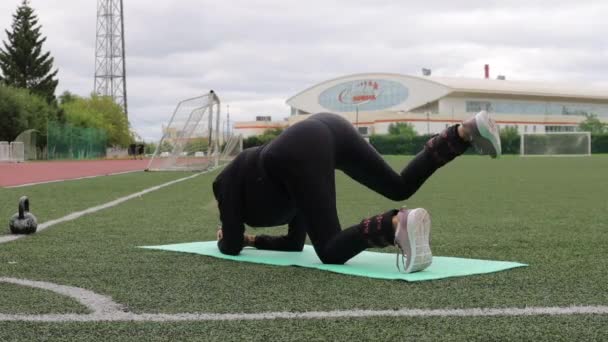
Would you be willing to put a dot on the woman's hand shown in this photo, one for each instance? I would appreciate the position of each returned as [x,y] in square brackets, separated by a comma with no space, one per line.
[248,240]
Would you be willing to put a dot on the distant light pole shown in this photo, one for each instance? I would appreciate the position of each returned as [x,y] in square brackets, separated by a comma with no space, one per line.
[357,117]
[228,121]
[427,106]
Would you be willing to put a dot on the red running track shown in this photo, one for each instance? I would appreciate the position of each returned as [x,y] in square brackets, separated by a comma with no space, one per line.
[14,174]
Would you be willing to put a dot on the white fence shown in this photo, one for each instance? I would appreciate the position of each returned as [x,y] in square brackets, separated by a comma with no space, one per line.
[5,151]
[13,152]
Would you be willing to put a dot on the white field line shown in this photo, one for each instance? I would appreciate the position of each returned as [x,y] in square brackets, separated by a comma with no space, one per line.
[75,215]
[70,179]
[97,304]
[104,309]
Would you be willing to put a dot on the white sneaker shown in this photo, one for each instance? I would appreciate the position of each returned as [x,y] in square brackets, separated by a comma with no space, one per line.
[484,134]
[413,238]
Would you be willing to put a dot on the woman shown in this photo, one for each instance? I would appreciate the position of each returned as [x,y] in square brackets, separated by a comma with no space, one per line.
[291,181]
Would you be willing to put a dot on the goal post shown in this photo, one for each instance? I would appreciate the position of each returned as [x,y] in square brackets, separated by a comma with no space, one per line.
[556,144]
[190,141]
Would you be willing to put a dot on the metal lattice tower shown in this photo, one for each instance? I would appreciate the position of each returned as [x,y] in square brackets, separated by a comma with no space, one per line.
[110,70]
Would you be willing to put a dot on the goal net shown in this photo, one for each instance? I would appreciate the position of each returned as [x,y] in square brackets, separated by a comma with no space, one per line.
[17,152]
[556,144]
[190,140]
[29,140]
[231,148]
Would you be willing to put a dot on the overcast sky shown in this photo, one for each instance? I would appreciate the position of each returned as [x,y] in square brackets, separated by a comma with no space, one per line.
[256,54]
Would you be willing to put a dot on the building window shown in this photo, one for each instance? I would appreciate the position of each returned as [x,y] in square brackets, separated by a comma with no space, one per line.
[560,128]
[363,130]
[534,128]
[525,128]
[478,106]
[536,107]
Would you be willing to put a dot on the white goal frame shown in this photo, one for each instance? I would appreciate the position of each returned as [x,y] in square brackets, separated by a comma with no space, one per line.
[207,107]
[522,144]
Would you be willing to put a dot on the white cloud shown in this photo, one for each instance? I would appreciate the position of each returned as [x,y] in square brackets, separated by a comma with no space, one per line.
[258,53]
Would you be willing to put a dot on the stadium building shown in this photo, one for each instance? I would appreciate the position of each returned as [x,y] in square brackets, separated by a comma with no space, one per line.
[374,101]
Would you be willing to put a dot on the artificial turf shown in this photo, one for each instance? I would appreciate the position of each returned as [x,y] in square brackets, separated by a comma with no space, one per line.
[53,200]
[551,329]
[25,300]
[550,213]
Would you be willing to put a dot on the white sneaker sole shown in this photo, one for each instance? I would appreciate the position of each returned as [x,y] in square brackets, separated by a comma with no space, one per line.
[417,247]
[488,129]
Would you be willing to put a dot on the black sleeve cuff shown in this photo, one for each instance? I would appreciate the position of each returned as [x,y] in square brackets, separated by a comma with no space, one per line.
[226,248]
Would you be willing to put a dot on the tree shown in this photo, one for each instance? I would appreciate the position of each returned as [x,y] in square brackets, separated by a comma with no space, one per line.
[22,62]
[593,124]
[402,128]
[149,148]
[12,120]
[166,146]
[266,137]
[510,140]
[99,112]
[196,145]
[21,110]
[67,97]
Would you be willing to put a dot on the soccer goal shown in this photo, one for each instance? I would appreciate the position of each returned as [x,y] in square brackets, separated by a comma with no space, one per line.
[17,151]
[29,140]
[190,141]
[556,144]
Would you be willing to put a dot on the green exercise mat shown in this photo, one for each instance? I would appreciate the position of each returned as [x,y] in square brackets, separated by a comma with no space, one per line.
[366,264]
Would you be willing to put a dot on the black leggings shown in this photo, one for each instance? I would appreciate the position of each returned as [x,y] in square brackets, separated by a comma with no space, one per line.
[304,158]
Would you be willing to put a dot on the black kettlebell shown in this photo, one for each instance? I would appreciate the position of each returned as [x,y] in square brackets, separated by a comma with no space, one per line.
[23,222]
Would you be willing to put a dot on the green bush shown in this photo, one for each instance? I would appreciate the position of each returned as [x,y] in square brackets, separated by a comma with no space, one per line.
[398,144]
[403,129]
[252,141]
[21,110]
[401,144]
[99,112]
[259,140]
[510,140]
[149,148]
[599,143]
[196,145]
